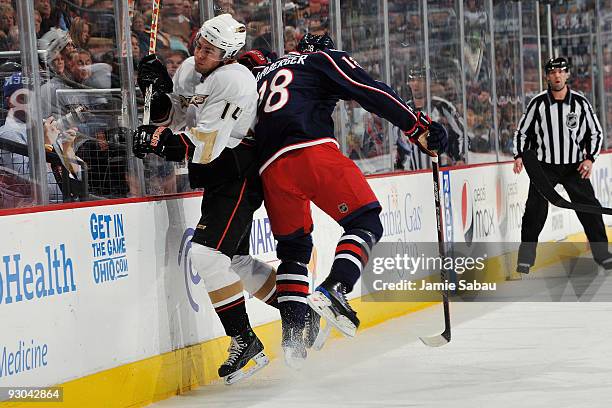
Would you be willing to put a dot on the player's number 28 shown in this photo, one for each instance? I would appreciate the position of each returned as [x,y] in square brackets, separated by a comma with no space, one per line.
[278,86]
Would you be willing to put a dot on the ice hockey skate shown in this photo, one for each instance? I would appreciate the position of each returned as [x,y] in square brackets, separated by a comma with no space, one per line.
[242,349]
[329,301]
[294,346]
[315,335]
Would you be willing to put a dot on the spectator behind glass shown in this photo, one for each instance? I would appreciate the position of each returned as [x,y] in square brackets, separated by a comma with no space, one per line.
[89,74]
[81,66]
[173,60]
[104,18]
[15,129]
[44,8]
[61,15]
[79,32]
[7,23]
[136,51]
[187,8]
[167,36]
[291,39]
[76,70]
[37,23]
[55,42]
[175,23]
[172,8]
[58,64]
[13,38]
[7,17]
[138,29]
[99,144]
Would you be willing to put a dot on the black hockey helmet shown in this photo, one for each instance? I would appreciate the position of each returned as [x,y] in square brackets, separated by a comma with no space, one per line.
[313,43]
[417,73]
[556,63]
[10,67]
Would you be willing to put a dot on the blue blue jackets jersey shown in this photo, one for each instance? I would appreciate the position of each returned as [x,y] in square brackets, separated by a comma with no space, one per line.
[298,94]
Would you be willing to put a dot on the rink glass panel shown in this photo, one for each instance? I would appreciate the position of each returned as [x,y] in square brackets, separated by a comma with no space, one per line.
[573,30]
[507,68]
[362,29]
[478,74]
[575,35]
[16,123]
[445,59]
[313,17]
[178,21]
[407,45]
[605,21]
[101,142]
[532,76]
[301,17]
[257,16]
[86,97]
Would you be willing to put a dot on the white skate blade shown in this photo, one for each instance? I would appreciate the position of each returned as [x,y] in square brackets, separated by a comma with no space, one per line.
[322,305]
[261,360]
[322,336]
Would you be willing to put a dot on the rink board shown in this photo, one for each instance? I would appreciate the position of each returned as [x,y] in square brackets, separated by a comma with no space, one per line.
[101,299]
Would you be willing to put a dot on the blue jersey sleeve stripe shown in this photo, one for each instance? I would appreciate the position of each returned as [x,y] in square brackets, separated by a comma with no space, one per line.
[371,88]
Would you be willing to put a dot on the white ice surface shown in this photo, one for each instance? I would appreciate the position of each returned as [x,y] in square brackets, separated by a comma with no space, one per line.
[549,355]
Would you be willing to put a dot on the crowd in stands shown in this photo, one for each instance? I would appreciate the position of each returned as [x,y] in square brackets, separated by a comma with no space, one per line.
[82,64]
[79,68]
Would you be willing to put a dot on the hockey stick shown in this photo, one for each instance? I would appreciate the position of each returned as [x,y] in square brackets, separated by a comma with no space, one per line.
[146,116]
[541,182]
[444,337]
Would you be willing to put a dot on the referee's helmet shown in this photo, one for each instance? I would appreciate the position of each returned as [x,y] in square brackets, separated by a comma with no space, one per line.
[556,63]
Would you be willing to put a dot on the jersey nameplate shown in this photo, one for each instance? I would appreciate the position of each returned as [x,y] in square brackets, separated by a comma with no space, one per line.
[289,60]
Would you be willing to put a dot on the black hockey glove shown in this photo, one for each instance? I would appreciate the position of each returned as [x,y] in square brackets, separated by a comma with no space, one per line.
[437,139]
[430,136]
[150,139]
[420,127]
[151,71]
[161,141]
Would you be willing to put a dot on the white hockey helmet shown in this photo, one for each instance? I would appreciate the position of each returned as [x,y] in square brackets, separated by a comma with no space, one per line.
[54,41]
[225,33]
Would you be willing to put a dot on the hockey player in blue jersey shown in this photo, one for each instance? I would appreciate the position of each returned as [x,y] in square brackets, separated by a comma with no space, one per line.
[301,162]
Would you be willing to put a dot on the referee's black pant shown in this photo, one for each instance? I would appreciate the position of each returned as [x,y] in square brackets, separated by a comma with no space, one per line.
[536,210]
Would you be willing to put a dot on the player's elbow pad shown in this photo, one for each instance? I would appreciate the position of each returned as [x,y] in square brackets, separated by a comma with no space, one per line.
[178,147]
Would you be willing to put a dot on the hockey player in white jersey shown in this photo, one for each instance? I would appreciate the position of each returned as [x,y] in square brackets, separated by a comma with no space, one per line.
[203,118]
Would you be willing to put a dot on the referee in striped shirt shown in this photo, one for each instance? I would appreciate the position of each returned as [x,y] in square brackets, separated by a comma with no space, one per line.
[561,126]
